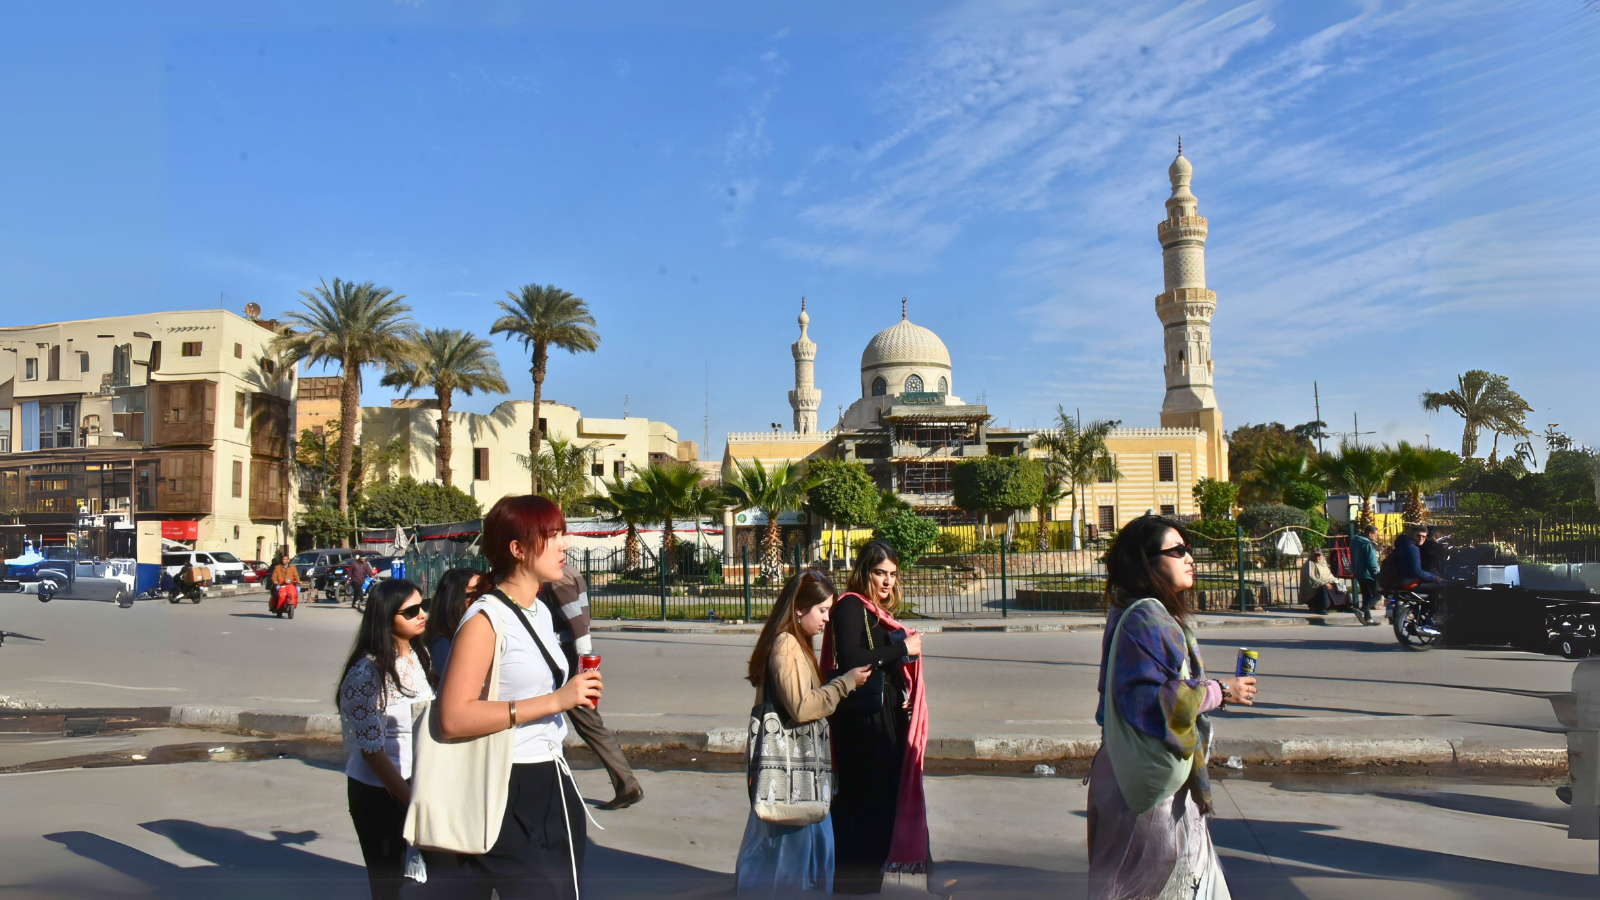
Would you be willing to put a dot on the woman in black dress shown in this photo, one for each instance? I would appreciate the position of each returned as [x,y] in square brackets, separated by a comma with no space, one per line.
[869,745]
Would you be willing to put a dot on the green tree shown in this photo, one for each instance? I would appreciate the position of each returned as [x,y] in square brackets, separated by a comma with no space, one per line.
[1306,495]
[407,501]
[448,360]
[1275,474]
[316,456]
[910,534]
[626,503]
[1420,471]
[1216,499]
[670,494]
[782,489]
[1360,470]
[1247,444]
[541,318]
[1053,487]
[1482,400]
[1003,484]
[890,505]
[326,526]
[355,325]
[562,472]
[1081,453]
[844,494]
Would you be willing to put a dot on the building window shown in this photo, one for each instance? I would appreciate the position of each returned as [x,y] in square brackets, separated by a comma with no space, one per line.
[30,369]
[191,348]
[544,425]
[879,386]
[83,361]
[58,425]
[1166,468]
[619,468]
[55,362]
[155,356]
[914,384]
[1108,518]
[598,470]
[5,431]
[1167,509]
[122,365]
[238,478]
[1103,479]
[268,366]
[238,351]
[944,385]
[480,463]
[239,404]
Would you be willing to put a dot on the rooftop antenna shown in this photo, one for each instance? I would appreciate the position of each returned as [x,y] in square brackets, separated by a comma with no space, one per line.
[706,446]
[624,406]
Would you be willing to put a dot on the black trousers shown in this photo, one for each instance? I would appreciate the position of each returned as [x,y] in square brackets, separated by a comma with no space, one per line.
[1369,593]
[380,820]
[603,742]
[534,856]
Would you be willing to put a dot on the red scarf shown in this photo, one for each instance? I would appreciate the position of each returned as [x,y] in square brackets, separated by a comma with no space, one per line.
[908,851]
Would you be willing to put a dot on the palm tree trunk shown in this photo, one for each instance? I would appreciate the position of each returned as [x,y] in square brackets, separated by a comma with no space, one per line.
[441,453]
[541,356]
[1494,449]
[349,416]
[1043,542]
[1469,440]
[772,551]
[668,539]
[630,549]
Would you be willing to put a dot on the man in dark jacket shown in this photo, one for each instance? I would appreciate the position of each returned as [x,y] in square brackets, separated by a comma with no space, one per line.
[1433,554]
[568,601]
[1364,565]
[1407,564]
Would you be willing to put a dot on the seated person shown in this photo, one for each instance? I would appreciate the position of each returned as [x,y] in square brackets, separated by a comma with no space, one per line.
[1404,564]
[1317,584]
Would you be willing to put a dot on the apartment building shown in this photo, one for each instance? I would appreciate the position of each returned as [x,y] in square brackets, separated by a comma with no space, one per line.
[172,423]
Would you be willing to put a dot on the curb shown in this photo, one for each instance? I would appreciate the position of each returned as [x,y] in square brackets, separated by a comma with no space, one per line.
[993,748]
[946,627]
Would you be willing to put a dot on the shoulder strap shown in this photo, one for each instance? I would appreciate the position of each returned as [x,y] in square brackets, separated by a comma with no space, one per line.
[557,677]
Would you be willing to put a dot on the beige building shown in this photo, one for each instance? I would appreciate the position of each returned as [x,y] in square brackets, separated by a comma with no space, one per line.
[488,449]
[170,422]
[316,405]
[910,430]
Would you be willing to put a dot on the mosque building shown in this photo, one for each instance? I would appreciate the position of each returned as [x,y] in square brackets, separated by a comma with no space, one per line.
[910,428]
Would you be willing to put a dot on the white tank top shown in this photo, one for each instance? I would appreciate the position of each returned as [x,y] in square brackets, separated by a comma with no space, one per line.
[524,673]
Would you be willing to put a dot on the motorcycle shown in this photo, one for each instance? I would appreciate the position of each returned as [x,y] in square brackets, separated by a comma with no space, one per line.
[285,598]
[189,584]
[1416,616]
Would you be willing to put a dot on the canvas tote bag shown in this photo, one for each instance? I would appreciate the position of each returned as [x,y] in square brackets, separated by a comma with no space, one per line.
[459,787]
[789,766]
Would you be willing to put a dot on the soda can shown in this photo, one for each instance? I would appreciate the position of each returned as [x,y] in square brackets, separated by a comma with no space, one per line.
[590,662]
[1247,663]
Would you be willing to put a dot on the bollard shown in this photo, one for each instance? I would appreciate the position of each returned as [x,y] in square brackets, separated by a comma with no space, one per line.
[1583,753]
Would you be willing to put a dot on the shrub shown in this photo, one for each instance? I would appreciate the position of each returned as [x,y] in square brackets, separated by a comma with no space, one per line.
[407,501]
[1268,517]
[1304,495]
[846,494]
[1215,498]
[987,545]
[997,483]
[910,534]
[948,542]
[326,526]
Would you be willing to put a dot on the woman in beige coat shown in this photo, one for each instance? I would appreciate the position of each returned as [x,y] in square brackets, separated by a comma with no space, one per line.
[778,860]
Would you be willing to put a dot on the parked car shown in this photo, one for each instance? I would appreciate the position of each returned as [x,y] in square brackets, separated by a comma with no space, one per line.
[256,571]
[317,565]
[225,567]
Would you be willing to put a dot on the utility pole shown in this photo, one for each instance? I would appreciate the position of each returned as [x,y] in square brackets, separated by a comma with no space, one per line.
[705,447]
[1316,397]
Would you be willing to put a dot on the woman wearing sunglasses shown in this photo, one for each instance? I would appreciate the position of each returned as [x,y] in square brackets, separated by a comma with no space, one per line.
[1148,792]
[387,672]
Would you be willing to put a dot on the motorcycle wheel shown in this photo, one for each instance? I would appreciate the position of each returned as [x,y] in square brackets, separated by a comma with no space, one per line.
[1408,621]
[46,593]
[289,612]
[174,597]
[1572,648]
[198,596]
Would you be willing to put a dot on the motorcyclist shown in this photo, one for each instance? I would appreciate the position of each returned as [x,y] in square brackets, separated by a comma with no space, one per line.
[1407,553]
[283,574]
[358,572]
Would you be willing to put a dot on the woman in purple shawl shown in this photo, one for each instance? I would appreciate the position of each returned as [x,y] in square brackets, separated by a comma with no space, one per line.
[1148,792]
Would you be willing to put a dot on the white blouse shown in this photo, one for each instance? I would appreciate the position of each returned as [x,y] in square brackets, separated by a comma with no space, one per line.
[375,716]
[524,674]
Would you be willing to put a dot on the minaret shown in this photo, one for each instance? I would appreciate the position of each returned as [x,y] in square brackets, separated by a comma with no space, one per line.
[805,398]
[1185,308]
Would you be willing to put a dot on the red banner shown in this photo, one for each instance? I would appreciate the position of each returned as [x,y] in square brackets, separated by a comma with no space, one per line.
[180,531]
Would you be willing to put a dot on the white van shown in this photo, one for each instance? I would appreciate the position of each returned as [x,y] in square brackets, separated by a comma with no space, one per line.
[225,567]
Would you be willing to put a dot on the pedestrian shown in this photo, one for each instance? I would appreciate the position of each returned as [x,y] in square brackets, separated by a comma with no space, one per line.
[1364,565]
[359,571]
[456,591]
[1149,796]
[774,859]
[540,844]
[568,602]
[283,574]
[387,672]
[880,815]
[1316,583]
[1432,552]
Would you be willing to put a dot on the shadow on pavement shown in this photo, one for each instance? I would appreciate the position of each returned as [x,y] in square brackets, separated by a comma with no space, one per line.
[967,880]
[1500,807]
[1303,849]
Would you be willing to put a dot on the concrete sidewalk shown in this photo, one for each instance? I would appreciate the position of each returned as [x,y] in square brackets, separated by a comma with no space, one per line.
[1020,623]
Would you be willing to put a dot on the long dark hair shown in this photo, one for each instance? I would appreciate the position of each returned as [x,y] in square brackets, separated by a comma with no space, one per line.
[375,637]
[800,593]
[1131,565]
[450,602]
[870,556]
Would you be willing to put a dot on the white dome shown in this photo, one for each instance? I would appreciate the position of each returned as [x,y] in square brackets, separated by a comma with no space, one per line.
[905,344]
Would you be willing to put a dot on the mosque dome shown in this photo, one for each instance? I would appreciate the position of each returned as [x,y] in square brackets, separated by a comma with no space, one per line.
[1180,167]
[905,344]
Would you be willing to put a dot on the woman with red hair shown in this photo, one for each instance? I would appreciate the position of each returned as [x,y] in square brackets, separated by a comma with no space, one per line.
[540,847]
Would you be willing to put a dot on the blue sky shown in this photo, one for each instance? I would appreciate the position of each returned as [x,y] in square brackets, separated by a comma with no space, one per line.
[1397,192]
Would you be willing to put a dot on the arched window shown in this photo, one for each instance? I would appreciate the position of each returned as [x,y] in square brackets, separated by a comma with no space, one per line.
[944,385]
[879,386]
[914,384]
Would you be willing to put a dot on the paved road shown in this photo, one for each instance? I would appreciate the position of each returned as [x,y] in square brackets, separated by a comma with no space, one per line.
[278,828]
[1317,681]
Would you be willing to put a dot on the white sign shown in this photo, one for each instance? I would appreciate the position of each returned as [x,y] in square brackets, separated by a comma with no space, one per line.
[757,517]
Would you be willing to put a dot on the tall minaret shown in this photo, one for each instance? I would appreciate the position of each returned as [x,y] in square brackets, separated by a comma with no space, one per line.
[1185,310]
[805,398]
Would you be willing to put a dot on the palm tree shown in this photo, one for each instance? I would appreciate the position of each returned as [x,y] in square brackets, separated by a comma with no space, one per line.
[782,489]
[1274,473]
[1483,400]
[562,470]
[1054,490]
[545,317]
[1361,470]
[671,492]
[1081,455]
[628,504]
[450,360]
[890,503]
[1419,472]
[354,325]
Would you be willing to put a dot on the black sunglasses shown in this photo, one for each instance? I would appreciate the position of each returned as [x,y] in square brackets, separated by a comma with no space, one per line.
[410,612]
[1177,552]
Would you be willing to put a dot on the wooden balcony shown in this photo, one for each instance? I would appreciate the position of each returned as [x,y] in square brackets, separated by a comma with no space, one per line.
[269,428]
[184,413]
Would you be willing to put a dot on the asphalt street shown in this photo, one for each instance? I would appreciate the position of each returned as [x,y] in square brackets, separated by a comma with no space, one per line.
[1316,681]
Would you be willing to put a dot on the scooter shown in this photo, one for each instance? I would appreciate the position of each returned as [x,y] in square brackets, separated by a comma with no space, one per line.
[1412,613]
[189,584]
[284,599]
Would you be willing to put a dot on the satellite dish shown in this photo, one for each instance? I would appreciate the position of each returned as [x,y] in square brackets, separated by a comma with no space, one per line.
[253,310]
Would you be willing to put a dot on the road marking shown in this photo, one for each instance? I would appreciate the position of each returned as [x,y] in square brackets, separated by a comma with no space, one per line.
[617,715]
[124,687]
